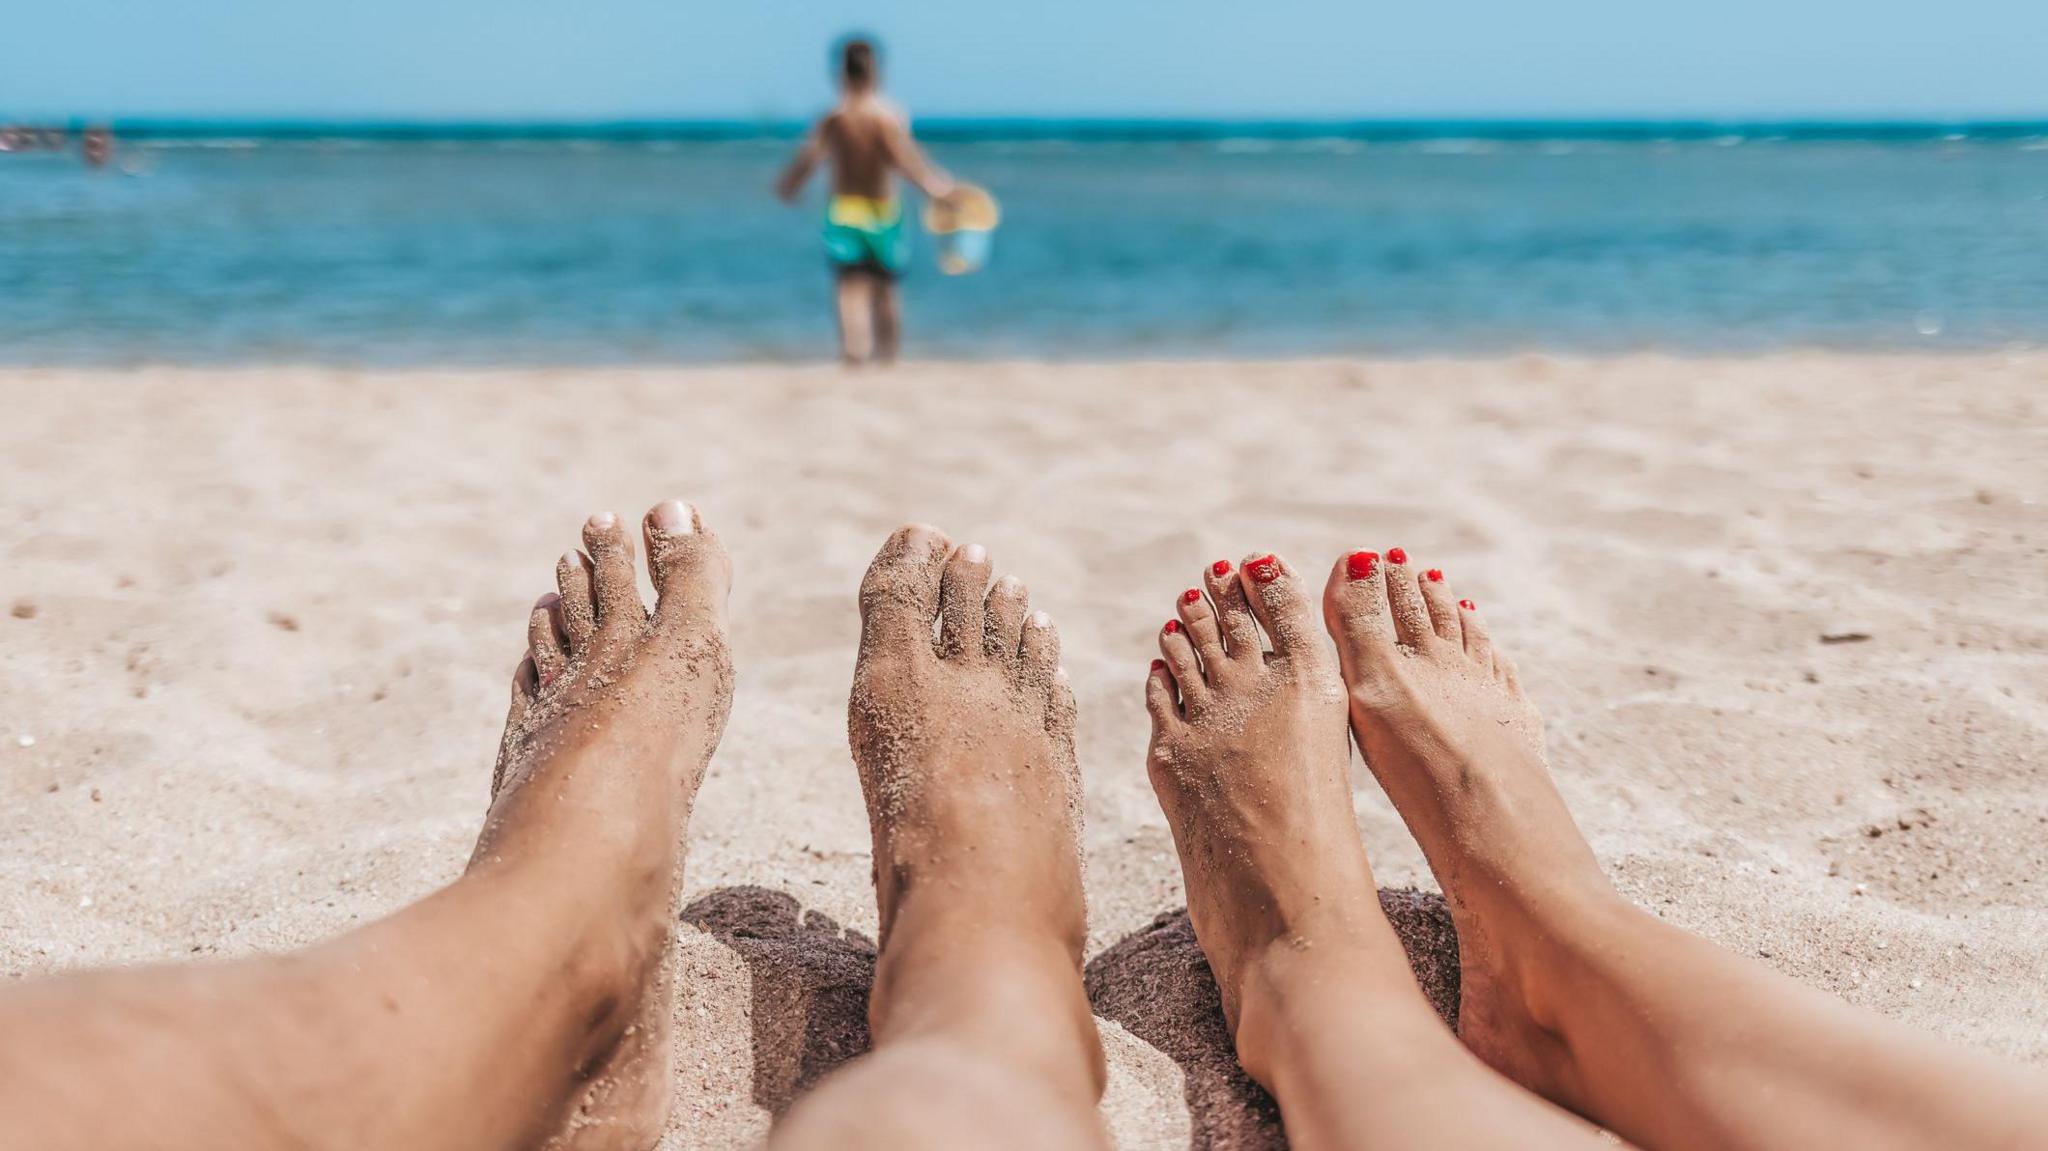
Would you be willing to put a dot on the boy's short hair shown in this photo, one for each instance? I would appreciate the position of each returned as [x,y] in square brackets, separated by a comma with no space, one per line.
[857,60]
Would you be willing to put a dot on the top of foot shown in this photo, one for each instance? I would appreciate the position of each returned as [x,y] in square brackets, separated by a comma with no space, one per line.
[1250,758]
[964,737]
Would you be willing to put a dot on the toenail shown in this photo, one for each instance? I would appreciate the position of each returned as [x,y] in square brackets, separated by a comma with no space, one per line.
[1265,569]
[603,521]
[1040,619]
[1468,605]
[1220,568]
[1172,626]
[1158,665]
[547,601]
[1359,565]
[672,517]
[1434,575]
[974,553]
[1191,595]
[1397,555]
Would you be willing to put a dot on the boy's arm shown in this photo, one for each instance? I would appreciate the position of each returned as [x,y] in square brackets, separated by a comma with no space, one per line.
[916,167]
[801,165]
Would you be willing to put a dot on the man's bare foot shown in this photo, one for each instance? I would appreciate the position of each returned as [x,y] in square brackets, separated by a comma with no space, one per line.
[615,713]
[1250,759]
[965,747]
[1443,724]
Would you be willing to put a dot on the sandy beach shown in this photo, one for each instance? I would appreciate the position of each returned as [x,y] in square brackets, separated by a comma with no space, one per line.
[1783,616]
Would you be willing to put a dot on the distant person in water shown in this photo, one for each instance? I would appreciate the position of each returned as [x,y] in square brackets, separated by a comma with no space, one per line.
[868,140]
[99,147]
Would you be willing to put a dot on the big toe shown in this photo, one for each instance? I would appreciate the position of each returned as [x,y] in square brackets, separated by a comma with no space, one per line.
[1355,612]
[899,596]
[691,572]
[1281,606]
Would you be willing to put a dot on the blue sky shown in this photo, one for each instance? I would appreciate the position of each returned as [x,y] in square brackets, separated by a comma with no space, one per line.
[442,59]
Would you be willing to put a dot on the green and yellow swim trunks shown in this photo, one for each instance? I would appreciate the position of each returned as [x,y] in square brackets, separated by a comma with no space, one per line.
[866,235]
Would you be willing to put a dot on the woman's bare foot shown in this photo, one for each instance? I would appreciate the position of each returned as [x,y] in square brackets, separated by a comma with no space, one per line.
[1250,759]
[615,713]
[965,747]
[1442,723]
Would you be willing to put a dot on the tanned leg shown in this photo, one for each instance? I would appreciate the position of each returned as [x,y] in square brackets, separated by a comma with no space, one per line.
[888,320]
[1250,759]
[965,747]
[498,1012]
[1654,1033]
[853,296]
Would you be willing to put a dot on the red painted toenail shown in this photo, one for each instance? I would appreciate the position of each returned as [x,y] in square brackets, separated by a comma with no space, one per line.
[1397,555]
[1191,595]
[1158,665]
[1172,626]
[1434,575]
[1220,568]
[1468,605]
[1265,569]
[1360,565]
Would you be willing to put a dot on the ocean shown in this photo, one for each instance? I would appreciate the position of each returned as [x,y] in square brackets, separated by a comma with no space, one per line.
[382,246]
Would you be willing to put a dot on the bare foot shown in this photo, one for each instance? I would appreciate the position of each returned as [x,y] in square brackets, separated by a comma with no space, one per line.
[615,713]
[1250,759]
[1444,726]
[965,747]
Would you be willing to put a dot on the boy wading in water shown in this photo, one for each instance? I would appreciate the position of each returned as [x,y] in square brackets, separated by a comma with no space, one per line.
[867,140]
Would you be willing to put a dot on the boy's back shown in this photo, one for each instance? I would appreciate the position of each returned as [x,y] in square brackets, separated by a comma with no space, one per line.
[861,137]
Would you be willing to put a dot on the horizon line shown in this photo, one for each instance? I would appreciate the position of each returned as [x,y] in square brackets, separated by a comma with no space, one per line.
[1081,128]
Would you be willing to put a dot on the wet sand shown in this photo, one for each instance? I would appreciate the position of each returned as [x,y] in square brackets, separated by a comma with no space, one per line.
[1784,617]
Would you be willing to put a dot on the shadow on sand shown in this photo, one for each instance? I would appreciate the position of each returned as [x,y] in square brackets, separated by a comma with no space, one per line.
[810,979]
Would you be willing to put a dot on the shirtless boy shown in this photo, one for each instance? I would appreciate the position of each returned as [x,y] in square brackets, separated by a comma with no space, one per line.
[867,139]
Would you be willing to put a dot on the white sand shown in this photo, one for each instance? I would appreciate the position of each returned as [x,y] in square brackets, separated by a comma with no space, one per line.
[261,624]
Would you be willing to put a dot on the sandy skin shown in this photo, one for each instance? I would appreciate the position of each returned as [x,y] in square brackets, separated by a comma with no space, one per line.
[519,1006]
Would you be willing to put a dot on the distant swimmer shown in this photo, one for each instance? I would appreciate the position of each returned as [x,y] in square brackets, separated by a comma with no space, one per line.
[868,140]
[99,147]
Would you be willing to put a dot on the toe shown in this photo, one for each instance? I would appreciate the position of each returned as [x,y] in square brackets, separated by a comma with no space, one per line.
[611,572]
[1180,661]
[1003,614]
[1200,621]
[1355,612]
[1277,600]
[1159,700]
[579,610]
[899,596]
[1404,599]
[525,686]
[692,575]
[1234,620]
[1060,711]
[963,585]
[1478,644]
[544,640]
[1442,607]
[1038,650]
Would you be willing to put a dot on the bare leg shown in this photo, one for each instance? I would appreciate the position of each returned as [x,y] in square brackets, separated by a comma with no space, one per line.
[1654,1033]
[497,1012]
[1250,759]
[965,748]
[888,320]
[854,296]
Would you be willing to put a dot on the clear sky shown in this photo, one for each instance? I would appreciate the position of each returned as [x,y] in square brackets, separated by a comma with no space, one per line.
[460,59]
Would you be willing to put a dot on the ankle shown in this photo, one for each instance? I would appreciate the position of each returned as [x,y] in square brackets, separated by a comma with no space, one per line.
[1293,992]
[1002,995]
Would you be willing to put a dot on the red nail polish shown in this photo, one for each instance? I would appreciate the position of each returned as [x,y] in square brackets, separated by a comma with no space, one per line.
[1191,595]
[1220,568]
[1158,665]
[1172,626]
[1468,605]
[1434,575]
[1265,569]
[1397,555]
[1360,565]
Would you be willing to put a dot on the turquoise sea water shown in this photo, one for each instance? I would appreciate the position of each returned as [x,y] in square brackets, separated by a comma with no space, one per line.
[653,243]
